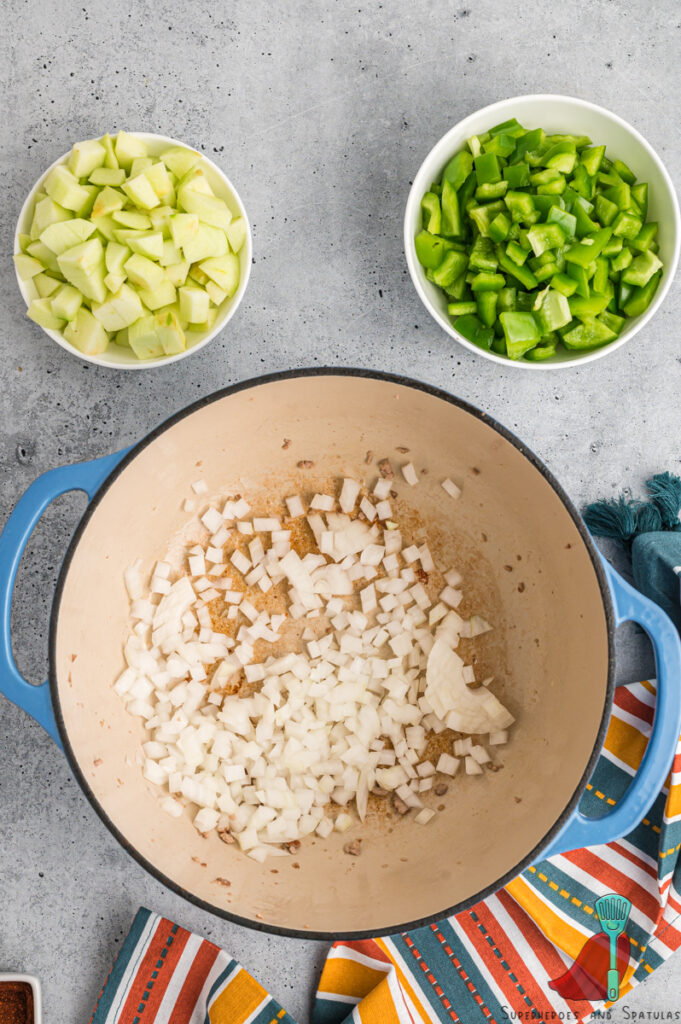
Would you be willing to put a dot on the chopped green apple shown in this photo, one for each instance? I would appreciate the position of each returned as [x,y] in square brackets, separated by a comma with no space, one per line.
[24,241]
[138,166]
[40,311]
[208,322]
[147,243]
[47,212]
[170,331]
[194,304]
[170,254]
[180,160]
[198,275]
[176,273]
[114,281]
[65,234]
[27,266]
[46,257]
[85,208]
[65,189]
[164,295]
[224,270]
[197,181]
[115,256]
[67,302]
[209,209]
[236,233]
[217,296]
[132,219]
[159,179]
[142,272]
[83,267]
[160,219]
[119,310]
[144,339]
[85,157]
[86,333]
[209,242]
[122,338]
[184,227]
[128,148]
[45,285]
[109,201]
[141,193]
[106,226]
[107,176]
[110,158]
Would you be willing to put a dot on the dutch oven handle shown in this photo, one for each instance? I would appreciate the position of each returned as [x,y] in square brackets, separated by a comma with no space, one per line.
[83,476]
[630,605]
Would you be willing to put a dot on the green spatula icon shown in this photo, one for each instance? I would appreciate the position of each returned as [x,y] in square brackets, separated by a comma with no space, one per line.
[613,914]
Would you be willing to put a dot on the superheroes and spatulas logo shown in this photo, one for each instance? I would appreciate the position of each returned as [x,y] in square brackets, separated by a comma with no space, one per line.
[604,957]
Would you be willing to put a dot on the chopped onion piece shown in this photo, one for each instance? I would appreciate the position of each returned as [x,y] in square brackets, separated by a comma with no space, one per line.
[451,488]
[409,474]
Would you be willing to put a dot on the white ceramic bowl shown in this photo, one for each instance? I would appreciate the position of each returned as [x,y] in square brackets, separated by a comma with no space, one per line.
[35,987]
[557,114]
[120,358]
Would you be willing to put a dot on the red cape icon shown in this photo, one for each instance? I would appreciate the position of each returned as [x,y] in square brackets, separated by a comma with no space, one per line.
[587,978]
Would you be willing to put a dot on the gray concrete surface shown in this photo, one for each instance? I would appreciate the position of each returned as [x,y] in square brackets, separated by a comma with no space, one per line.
[320,113]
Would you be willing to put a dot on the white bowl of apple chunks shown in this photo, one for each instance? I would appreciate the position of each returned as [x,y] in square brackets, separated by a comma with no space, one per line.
[132,251]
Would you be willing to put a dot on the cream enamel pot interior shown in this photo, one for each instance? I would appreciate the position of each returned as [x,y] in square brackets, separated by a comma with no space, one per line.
[551,652]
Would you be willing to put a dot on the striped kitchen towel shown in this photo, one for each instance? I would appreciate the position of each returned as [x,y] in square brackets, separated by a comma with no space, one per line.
[534,951]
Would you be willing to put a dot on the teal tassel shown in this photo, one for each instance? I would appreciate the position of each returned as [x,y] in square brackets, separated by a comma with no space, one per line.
[665,493]
[615,518]
[648,519]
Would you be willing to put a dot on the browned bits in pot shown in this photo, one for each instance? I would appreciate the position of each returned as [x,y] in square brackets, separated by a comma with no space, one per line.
[197,860]
[393,494]
[287,443]
[401,448]
[440,807]
[354,848]
[369,458]
[385,469]
[305,464]
[441,789]
[222,881]
[293,846]
[399,805]
[226,836]
[421,575]
[97,761]
[296,865]
[475,471]
[377,791]
[521,588]
[508,568]
[518,799]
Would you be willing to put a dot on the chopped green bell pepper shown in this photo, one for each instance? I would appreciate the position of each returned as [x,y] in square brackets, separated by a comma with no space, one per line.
[587,308]
[521,273]
[430,249]
[561,157]
[453,265]
[499,228]
[544,351]
[591,333]
[458,169]
[484,193]
[566,285]
[640,298]
[584,253]
[472,329]
[517,175]
[627,225]
[645,237]
[592,158]
[487,307]
[430,209]
[567,221]
[545,236]
[483,255]
[487,169]
[451,216]
[642,268]
[461,308]
[554,311]
[521,333]
[484,282]
[521,207]
[517,253]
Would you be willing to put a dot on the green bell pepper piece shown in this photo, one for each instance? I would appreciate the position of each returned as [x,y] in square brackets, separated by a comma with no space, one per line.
[554,311]
[579,275]
[564,284]
[545,203]
[592,158]
[467,191]
[472,329]
[561,157]
[430,249]
[430,210]
[583,253]
[619,194]
[566,221]
[585,225]
[546,272]
[640,194]
[624,293]
[501,145]
[591,333]
[499,228]
[511,127]
[461,308]
[521,207]
[517,175]
[545,236]
[605,210]
[601,275]
[482,217]
[641,269]
[521,333]
[484,282]
[615,323]
[483,255]
[506,299]
[622,260]
[451,216]
[530,141]
[544,351]
[612,247]
[582,183]
[624,172]
[458,169]
[524,301]
[499,343]
[475,146]
[520,273]
[453,266]
[627,225]
[587,308]
[487,169]
[457,289]
[487,307]
[516,253]
[645,237]
[484,193]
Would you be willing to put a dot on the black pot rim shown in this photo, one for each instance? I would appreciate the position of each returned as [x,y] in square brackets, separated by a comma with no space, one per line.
[298,933]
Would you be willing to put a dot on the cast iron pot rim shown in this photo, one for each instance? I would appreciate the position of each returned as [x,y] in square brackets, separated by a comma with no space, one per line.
[409,382]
